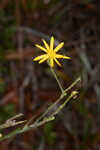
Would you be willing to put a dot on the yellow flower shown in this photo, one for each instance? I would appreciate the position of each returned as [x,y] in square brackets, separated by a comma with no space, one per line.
[50,53]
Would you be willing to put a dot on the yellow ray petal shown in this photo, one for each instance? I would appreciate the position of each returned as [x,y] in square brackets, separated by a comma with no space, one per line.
[61,56]
[46,45]
[59,47]
[51,62]
[51,43]
[39,57]
[66,57]
[57,62]
[42,60]
[40,47]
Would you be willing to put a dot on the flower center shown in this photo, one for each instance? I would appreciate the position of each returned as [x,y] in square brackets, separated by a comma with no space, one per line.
[51,53]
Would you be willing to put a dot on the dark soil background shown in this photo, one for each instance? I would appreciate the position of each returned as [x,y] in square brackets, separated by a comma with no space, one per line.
[27,87]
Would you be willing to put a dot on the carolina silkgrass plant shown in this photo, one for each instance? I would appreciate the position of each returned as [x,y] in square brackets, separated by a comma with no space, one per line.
[50,56]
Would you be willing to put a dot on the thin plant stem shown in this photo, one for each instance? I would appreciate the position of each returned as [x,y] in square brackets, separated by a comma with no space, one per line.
[73,84]
[55,76]
[62,105]
[58,100]
[62,91]
[36,125]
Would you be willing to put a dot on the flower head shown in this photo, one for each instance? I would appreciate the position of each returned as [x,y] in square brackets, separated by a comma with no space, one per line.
[50,53]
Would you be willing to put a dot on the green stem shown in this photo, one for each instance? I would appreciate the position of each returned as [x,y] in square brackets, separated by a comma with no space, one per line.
[45,120]
[73,84]
[62,105]
[42,119]
[58,100]
[54,74]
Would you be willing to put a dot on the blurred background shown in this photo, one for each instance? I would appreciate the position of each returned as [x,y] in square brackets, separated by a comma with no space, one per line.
[29,88]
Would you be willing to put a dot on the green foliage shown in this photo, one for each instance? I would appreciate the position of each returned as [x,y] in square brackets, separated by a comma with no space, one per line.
[50,135]
[87,1]
[82,110]
[87,119]
[40,4]
[6,32]
[6,35]
[6,39]
[6,112]
[2,58]
[30,4]
[2,13]
[2,86]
